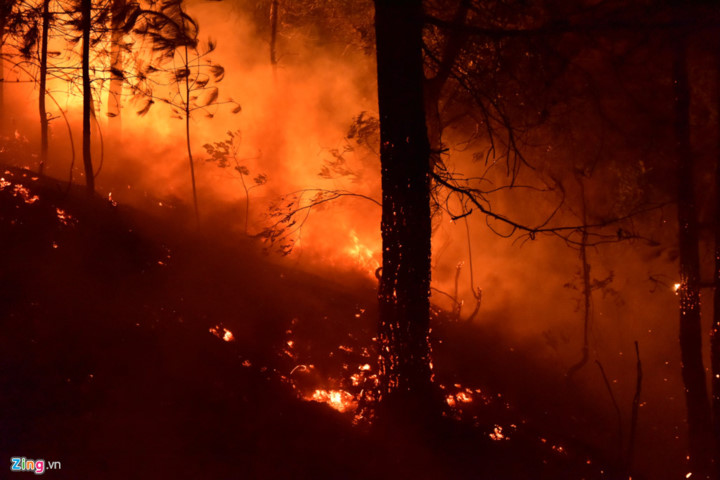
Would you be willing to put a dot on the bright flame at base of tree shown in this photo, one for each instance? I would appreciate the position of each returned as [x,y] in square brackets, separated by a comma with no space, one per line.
[340,400]
[362,255]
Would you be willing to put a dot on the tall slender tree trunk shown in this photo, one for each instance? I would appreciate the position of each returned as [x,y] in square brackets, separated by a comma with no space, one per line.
[693,371]
[587,286]
[405,163]
[86,11]
[117,17]
[273,32]
[715,331]
[187,137]
[434,86]
[247,202]
[43,87]
[3,22]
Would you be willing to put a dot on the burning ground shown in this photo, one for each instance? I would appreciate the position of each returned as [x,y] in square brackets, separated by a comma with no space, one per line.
[136,348]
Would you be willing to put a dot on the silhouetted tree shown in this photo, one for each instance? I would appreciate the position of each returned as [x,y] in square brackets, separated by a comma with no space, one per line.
[406,229]
[42,110]
[274,13]
[693,371]
[5,10]
[175,36]
[11,22]
[224,154]
[715,330]
[86,26]
[34,37]
[411,160]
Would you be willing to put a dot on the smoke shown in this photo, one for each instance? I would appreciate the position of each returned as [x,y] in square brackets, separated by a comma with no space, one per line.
[295,120]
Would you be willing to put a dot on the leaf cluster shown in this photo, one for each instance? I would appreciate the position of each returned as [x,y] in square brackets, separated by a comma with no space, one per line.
[224,154]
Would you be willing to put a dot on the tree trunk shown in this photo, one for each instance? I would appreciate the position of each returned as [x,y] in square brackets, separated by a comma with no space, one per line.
[693,371]
[273,32]
[433,87]
[116,66]
[86,11]
[587,286]
[404,289]
[3,21]
[187,137]
[715,331]
[43,87]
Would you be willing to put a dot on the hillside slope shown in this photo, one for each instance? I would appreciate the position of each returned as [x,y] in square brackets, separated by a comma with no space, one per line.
[113,359]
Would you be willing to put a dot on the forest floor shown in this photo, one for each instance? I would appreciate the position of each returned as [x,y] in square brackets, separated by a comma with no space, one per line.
[112,361]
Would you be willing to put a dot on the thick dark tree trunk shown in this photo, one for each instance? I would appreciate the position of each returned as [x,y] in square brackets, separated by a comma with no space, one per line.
[693,371]
[43,87]
[86,11]
[405,161]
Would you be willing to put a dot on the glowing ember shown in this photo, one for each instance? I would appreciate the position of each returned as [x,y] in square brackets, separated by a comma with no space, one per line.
[25,193]
[463,397]
[497,434]
[340,400]
[222,333]
[4,183]
[63,216]
[676,287]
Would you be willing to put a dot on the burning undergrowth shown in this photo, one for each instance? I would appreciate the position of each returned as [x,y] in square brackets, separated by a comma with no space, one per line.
[139,333]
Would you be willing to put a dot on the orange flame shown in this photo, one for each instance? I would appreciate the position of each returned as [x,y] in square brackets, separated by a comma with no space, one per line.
[340,400]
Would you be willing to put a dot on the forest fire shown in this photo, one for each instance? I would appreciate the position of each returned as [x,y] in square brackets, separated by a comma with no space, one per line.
[24,193]
[327,201]
[340,400]
[497,434]
[63,217]
[365,257]
[222,333]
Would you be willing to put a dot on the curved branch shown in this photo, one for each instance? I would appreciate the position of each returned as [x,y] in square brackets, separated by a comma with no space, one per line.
[562,231]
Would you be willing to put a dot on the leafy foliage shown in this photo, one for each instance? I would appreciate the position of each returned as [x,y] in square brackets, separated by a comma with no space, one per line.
[225,154]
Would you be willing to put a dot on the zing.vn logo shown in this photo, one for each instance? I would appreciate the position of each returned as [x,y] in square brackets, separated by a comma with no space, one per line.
[22,464]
